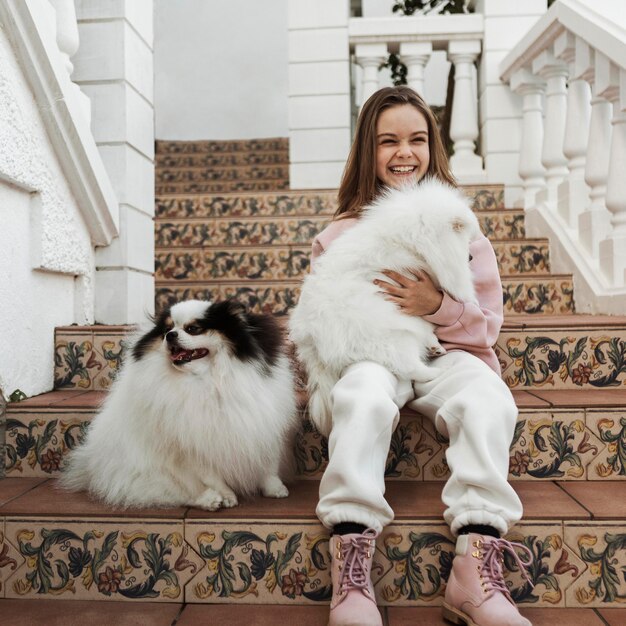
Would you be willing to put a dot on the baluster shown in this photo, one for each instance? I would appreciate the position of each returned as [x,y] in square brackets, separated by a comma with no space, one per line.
[555,73]
[531,169]
[465,163]
[573,192]
[415,56]
[613,248]
[370,57]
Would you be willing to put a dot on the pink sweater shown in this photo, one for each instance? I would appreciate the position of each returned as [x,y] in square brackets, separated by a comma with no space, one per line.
[460,325]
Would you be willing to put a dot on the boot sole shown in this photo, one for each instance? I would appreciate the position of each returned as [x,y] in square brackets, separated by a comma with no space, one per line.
[457,617]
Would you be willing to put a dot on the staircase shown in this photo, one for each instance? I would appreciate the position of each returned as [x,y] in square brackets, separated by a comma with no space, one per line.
[227,225]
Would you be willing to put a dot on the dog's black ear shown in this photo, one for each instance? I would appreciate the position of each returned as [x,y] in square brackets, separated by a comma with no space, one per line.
[236,308]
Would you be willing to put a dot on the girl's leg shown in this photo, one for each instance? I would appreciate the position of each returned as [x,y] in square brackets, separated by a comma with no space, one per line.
[473,406]
[365,405]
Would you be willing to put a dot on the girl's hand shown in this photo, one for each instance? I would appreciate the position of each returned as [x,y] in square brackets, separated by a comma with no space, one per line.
[415,296]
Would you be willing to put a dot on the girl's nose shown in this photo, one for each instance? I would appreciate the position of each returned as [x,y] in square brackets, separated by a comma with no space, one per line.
[404,149]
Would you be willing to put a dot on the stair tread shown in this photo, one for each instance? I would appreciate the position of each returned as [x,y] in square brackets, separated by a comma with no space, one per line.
[410,500]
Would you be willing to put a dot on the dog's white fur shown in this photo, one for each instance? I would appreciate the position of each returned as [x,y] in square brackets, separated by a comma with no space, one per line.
[195,434]
[342,318]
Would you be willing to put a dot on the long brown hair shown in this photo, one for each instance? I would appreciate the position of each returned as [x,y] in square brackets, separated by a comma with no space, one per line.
[359,184]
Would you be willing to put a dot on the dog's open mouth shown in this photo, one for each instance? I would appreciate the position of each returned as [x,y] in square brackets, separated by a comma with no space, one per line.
[180,356]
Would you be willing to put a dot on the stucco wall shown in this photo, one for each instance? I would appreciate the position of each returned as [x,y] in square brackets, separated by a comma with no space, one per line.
[46,258]
[220,69]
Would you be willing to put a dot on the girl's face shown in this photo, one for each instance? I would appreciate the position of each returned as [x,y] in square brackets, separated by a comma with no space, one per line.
[402,153]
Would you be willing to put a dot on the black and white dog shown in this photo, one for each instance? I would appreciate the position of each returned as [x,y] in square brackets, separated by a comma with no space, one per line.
[202,412]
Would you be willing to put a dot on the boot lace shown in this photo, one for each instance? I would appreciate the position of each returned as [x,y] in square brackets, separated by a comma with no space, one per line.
[356,552]
[493,559]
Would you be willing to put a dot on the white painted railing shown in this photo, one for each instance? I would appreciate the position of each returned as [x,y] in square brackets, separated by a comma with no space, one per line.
[414,39]
[570,70]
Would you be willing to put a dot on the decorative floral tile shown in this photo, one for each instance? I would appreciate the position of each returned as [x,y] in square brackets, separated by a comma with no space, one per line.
[87,359]
[222,160]
[272,263]
[101,560]
[516,258]
[221,187]
[485,198]
[239,232]
[228,173]
[502,224]
[547,296]
[276,298]
[575,359]
[231,145]
[257,205]
[10,559]
[610,428]
[412,446]
[602,549]
[37,443]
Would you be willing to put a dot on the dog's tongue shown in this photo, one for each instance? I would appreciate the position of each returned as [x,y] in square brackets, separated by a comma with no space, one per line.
[181,355]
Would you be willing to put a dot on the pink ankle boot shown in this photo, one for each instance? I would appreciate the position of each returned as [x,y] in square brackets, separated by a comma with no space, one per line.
[476,594]
[353,602]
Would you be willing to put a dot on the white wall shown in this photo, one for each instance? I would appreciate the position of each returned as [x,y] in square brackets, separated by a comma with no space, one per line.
[220,69]
[46,257]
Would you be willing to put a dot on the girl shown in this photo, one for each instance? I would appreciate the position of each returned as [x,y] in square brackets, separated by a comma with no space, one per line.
[397,140]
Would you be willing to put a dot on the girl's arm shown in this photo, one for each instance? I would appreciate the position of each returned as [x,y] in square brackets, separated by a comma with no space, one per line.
[468,324]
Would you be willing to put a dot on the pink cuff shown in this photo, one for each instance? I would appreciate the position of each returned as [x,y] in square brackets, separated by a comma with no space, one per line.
[448,313]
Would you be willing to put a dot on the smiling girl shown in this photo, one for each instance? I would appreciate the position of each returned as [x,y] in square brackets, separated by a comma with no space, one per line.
[397,141]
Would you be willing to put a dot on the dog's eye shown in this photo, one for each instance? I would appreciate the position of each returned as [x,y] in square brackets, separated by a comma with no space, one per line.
[192,329]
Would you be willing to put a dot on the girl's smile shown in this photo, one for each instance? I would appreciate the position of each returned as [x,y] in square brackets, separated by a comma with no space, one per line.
[402,151]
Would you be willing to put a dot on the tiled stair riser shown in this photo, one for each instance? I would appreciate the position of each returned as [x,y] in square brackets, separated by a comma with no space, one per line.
[286,230]
[548,445]
[289,203]
[548,296]
[222,173]
[577,358]
[221,187]
[292,262]
[236,145]
[222,159]
[225,561]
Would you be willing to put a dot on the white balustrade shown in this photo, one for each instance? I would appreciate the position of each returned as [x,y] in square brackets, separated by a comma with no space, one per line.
[370,57]
[68,42]
[415,56]
[531,169]
[555,73]
[464,162]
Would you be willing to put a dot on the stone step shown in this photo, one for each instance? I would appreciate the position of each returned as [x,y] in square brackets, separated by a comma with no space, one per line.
[293,202]
[221,186]
[225,173]
[280,262]
[69,612]
[220,146]
[564,435]
[541,295]
[246,231]
[551,352]
[221,159]
[60,545]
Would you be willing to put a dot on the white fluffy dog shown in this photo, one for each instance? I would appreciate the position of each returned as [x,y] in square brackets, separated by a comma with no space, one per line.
[342,318]
[202,411]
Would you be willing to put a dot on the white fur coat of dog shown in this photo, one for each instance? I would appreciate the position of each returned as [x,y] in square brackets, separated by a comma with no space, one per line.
[342,318]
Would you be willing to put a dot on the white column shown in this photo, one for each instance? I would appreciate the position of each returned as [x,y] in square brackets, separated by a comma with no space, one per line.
[415,56]
[466,165]
[370,56]
[555,72]
[573,192]
[531,169]
[613,248]
[68,42]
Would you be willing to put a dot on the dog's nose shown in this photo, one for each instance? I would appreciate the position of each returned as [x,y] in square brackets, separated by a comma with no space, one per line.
[172,335]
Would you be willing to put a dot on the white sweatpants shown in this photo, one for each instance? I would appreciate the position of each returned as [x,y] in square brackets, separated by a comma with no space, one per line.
[468,402]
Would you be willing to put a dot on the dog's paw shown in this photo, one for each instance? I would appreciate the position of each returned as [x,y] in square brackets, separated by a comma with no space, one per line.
[436,350]
[229,500]
[211,500]
[273,488]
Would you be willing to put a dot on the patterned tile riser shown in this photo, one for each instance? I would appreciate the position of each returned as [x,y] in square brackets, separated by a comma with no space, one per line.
[222,187]
[292,262]
[243,145]
[551,358]
[229,173]
[294,203]
[222,160]
[546,296]
[90,559]
[260,564]
[246,232]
